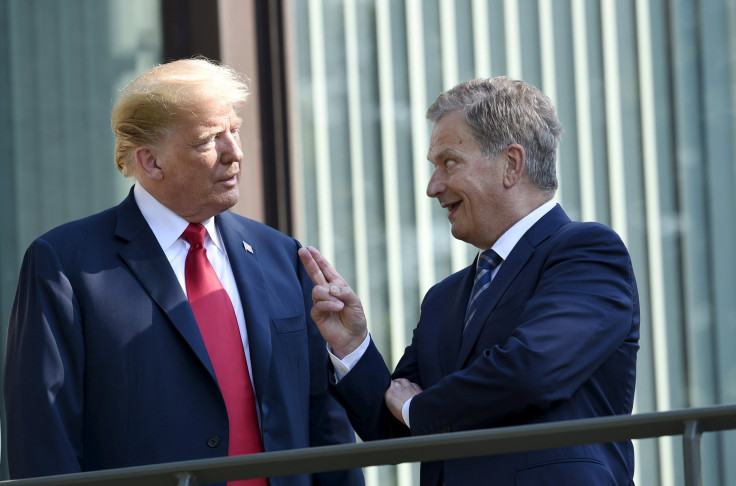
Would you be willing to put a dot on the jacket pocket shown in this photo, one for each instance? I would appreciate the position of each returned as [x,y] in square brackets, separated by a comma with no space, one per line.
[288,325]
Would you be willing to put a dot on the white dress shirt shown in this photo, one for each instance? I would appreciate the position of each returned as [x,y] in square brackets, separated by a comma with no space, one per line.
[503,247]
[168,226]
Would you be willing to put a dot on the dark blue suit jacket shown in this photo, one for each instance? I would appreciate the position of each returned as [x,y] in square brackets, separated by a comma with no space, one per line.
[106,366]
[557,340]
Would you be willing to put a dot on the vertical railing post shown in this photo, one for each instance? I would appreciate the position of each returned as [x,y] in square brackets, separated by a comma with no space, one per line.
[186,479]
[691,453]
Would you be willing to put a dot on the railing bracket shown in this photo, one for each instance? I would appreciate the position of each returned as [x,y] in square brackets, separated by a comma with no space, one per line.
[691,453]
[186,479]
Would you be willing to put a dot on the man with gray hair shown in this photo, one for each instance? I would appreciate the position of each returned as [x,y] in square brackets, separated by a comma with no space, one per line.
[543,326]
[168,328]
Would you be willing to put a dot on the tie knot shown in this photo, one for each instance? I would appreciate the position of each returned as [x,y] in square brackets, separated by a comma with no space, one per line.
[194,234]
[488,260]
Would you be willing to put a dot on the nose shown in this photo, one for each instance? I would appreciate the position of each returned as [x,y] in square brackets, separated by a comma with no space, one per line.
[435,186]
[231,150]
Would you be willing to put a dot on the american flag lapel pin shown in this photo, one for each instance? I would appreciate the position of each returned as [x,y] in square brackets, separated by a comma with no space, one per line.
[247,247]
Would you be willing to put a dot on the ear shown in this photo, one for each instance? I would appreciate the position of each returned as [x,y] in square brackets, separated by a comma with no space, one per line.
[515,161]
[148,164]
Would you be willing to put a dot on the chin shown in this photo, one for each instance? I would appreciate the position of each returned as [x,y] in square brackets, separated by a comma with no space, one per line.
[464,236]
[221,204]
[228,203]
[458,234]
[230,198]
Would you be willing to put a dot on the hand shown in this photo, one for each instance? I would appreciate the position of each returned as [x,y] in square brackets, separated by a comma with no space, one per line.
[398,393]
[337,311]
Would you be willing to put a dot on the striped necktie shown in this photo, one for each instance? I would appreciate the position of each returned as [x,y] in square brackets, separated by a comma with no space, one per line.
[487,261]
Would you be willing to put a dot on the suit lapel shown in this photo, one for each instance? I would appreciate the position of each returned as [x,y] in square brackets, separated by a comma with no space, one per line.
[251,282]
[149,264]
[511,267]
[506,274]
[450,334]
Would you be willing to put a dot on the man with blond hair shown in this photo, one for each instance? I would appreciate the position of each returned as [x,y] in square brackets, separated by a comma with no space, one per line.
[168,328]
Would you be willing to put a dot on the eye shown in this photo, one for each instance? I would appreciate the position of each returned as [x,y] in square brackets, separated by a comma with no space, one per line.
[450,163]
[220,135]
[205,141]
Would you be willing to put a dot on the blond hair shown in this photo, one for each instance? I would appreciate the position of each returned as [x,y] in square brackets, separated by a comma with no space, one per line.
[162,98]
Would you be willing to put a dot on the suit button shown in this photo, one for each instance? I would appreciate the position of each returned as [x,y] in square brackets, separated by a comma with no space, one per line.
[213,441]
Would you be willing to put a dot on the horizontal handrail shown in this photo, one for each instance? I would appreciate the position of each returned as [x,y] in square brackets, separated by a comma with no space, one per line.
[410,449]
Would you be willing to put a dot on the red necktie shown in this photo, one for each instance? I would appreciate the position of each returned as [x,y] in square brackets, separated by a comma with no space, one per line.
[219,328]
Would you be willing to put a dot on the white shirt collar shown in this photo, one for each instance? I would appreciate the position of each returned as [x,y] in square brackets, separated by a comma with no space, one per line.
[166,225]
[508,240]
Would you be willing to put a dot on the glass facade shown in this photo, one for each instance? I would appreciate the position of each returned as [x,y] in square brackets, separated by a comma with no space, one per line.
[644,88]
[62,65]
[645,91]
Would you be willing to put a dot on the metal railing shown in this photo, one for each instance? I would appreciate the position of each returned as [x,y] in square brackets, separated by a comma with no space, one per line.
[690,423]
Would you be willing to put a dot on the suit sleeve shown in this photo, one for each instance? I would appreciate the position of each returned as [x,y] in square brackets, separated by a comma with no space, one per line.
[362,391]
[43,370]
[578,316]
[328,423]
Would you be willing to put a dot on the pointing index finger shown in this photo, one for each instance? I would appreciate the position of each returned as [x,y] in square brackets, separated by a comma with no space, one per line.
[310,264]
[326,269]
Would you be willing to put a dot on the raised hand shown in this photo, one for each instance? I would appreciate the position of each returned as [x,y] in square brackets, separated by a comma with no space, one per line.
[337,311]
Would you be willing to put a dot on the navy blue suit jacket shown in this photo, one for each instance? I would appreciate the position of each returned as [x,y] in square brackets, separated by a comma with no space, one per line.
[556,339]
[106,366]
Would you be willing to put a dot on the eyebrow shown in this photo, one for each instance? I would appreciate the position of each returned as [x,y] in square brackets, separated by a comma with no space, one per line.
[218,128]
[443,154]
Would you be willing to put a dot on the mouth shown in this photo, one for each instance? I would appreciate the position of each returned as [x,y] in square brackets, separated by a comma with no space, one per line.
[451,208]
[230,180]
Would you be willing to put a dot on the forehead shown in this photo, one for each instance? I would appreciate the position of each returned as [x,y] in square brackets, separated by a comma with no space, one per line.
[451,133]
[209,113]
[211,117]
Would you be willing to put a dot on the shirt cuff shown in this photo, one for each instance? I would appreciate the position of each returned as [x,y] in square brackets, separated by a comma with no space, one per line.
[405,412]
[343,366]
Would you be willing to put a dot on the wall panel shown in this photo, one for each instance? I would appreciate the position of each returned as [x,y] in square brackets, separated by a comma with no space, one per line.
[645,90]
[63,64]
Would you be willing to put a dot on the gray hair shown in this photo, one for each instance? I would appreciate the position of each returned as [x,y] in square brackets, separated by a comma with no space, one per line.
[502,111]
